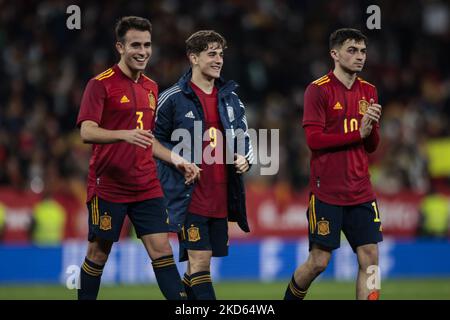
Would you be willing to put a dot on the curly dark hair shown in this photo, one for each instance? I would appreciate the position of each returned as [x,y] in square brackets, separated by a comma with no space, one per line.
[199,41]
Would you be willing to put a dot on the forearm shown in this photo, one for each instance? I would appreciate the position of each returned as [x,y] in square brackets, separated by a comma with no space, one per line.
[162,153]
[92,134]
[372,141]
[318,140]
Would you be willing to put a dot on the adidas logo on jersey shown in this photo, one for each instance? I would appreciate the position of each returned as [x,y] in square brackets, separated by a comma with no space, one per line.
[337,106]
[124,99]
[190,114]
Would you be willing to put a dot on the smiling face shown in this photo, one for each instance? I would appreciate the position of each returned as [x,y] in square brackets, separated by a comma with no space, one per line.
[350,56]
[135,50]
[208,62]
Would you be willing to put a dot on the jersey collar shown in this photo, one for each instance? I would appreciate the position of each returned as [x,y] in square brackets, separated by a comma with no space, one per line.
[123,75]
[339,83]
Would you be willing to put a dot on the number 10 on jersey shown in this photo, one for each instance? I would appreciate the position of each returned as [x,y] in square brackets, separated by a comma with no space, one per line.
[353,123]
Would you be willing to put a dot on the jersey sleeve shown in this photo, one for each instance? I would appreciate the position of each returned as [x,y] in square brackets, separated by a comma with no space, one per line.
[92,103]
[315,104]
[156,92]
[318,140]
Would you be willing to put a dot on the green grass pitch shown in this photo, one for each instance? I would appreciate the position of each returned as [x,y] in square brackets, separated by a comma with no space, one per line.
[436,289]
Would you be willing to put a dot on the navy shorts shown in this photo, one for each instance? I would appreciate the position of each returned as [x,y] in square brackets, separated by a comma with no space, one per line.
[360,223]
[106,218]
[203,233]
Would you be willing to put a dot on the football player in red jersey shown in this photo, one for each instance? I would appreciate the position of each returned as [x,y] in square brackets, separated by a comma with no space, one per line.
[341,120]
[117,116]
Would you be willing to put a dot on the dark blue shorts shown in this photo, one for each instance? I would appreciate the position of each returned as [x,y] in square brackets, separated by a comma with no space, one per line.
[203,233]
[360,223]
[106,218]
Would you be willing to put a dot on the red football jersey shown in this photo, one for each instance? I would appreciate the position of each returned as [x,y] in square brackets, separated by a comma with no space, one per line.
[210,192]
[332,116]
[121,172]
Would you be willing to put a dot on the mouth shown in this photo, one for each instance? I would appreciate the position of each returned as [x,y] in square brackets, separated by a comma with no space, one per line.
[140,59]
[216,68]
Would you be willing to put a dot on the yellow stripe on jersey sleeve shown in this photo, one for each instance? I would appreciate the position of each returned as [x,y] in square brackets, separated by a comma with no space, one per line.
[323,82]
[325,77]
[106,76]
[104,73]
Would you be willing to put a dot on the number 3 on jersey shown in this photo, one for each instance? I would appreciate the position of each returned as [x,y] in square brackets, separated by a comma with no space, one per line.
[140,124]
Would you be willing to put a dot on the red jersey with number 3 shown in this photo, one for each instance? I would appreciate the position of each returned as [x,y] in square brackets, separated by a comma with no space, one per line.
[339,174]
[121,172]
[209,198]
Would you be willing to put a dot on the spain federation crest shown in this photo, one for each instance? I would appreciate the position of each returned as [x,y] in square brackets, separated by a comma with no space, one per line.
[105,222]
[323,228]
[193,234]
[363,106]
[152,100]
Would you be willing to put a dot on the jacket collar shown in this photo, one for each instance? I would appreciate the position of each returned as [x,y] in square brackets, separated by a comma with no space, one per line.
[224,87]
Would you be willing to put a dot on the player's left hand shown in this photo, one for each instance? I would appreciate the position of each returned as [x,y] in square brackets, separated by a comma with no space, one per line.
[240,163]
[374,111]
[191,172]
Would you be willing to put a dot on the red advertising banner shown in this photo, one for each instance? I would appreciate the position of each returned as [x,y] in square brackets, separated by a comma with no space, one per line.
[282,213]
[272,211]
[19,206]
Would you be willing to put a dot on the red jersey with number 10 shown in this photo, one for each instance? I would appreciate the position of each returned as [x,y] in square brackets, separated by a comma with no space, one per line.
[121,172]
[339,163]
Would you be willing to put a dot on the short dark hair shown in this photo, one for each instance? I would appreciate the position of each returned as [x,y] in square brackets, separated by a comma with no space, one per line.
[199,41]
[131,22]
[338,37]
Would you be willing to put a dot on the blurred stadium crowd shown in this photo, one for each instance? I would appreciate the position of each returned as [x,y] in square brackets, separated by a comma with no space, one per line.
[275,49]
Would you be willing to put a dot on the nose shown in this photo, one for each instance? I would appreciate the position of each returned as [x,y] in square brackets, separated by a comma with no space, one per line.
[219,59]
[142,50]
[360,56]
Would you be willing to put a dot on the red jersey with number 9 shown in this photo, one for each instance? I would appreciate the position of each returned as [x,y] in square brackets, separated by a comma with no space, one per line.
[121,172]
[339,175]
[210,198]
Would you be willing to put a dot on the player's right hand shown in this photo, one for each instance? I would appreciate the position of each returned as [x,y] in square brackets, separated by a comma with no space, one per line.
[139,137]
[191,172]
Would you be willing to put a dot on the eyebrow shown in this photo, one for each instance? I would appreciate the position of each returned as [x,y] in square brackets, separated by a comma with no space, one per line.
[353,47]
[136,43]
